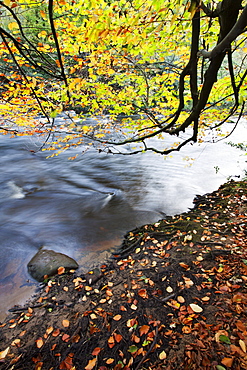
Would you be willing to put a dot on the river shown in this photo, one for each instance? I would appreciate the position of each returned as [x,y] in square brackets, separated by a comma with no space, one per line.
[84,207]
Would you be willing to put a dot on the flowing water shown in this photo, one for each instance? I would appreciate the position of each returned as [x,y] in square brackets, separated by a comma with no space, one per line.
[83,207]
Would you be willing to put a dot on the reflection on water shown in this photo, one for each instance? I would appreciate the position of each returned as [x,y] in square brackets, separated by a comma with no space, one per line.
[83,207]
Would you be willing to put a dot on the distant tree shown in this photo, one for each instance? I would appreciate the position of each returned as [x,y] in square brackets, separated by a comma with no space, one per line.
[180,65]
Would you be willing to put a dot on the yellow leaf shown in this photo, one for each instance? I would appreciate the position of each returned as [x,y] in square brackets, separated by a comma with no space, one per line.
[162,355]
[4,353]
[12,25]
[242,345]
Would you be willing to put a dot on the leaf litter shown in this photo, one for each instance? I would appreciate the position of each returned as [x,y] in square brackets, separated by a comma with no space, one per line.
[173,295]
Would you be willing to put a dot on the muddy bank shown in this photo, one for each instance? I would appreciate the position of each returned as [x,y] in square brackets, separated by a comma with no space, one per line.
[174,295]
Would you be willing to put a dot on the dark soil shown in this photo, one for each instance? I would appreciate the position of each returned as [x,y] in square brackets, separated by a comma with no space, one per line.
[173,296]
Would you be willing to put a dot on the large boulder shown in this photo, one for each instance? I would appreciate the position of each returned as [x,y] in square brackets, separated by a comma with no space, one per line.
[47,262]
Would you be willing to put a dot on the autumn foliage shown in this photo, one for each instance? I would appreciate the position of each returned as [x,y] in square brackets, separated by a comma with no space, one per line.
[177,66]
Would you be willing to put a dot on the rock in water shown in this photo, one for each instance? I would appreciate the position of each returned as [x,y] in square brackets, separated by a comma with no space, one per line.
[46,262]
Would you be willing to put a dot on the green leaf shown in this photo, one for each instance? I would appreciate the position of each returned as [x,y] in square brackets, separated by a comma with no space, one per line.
[224,339]
[219,367]
[53,114]
[132,349]
[146,343]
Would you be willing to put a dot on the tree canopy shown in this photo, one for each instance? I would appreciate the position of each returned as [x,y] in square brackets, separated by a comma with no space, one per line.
[152,68]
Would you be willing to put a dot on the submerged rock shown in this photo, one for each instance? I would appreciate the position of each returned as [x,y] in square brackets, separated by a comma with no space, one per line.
[46,262]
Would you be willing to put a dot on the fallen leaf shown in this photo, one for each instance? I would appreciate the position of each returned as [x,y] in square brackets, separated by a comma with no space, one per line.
[117,317]
[16,342]
[39,342]
[242,345]
[144,329]
[162,355]
[182,264]
[186,329]
[96,351]
[118,337]
[111,342]
[4,353]
[65,323]
[56,332]
[196,308]
[60,270]
[49,330]
[132,349]
[180,299]
[91,364]
[227,361]
[109,361]
[133,307]
[143,293]
[65,337]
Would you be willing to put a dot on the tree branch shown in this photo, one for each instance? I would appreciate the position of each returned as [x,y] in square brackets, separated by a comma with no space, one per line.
[237,29]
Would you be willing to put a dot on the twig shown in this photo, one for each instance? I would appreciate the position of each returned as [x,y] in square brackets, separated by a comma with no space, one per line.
[150,349]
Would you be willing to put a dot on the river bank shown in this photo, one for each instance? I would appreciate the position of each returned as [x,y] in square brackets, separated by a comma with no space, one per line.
[174,295]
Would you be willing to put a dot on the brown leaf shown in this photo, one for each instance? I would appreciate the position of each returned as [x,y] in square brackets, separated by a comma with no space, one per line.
[143,293]
[65,337]
[67,364]
[144,329]
[56,332]
[96,351]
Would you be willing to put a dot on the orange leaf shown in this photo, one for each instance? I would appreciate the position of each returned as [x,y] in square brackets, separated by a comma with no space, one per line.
[91,364]
[118,337]
[60,270]
[186,329]
[143,293]
[182,264]
[122,308]
[65,337]
[109,361]
[65,323]
[144,329]
[39,342]
[227,361]
[111,341]
[49,330]
[117,317]
[96,351]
